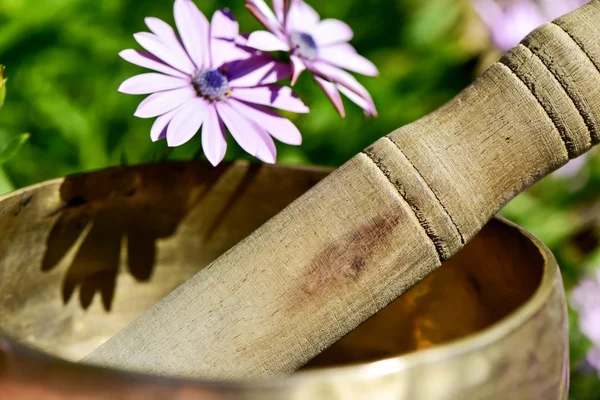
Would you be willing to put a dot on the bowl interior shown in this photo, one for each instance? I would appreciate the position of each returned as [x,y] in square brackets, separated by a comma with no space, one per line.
[80,258]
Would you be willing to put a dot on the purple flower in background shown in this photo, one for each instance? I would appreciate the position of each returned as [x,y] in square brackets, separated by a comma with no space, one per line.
[511,20]
[204,77]
[586,300]
[314,44]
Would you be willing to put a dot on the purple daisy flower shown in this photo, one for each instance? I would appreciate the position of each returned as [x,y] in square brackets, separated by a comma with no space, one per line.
[586,300]
[314,44]
[510,21]
[204,77]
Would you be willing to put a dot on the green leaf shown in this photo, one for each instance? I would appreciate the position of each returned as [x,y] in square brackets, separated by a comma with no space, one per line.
[6,185]
[13,147]
[2,86]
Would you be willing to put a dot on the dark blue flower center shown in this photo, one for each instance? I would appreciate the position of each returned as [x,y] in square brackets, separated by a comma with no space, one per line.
[211,84]
[304,45]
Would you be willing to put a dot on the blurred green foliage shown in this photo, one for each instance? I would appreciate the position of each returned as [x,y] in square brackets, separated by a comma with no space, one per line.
[65,71]
[2,86]
[14,144]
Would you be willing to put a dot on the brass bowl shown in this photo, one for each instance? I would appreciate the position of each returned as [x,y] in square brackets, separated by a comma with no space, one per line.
[82,257]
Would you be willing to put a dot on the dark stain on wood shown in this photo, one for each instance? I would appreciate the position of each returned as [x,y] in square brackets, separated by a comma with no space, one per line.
[346,260]
[23,202]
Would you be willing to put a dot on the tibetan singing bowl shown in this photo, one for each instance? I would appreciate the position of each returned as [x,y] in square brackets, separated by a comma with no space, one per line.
[82,257]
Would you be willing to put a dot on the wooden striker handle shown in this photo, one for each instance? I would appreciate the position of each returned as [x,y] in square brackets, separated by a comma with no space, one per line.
[380,223]
[531,112]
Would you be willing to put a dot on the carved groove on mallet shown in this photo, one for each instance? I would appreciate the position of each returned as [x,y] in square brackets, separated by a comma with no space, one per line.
[572,92]
[418,194]
[435,238]
[462,238]
[578,43]
[560,127]
[580,108]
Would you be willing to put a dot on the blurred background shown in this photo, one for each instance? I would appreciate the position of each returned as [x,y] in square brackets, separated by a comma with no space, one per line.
[63,73]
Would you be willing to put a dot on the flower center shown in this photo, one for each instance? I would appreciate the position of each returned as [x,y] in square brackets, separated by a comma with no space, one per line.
[211,84]
[304,44]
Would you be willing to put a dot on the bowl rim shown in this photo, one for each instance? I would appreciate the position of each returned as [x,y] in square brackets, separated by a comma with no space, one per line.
[352,372]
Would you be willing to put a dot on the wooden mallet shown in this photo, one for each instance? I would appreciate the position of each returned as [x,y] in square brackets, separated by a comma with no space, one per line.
[380,223]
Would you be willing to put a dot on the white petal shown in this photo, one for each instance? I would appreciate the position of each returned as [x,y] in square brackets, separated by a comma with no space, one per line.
[266,41]
[264,14]
[224,52]
[302,18]
[279,8]
[281,97]
[224,31]
[244,133]
[224,26]
[161,102]
[194,30]
[159,128]
[147,60]
[297,66]
[279,127]
[214,142]
[257,70]
[156,46]
[249,134]
[347,81]
[266,151]
[367,106]
[331,31]
[151,82]
[168,36]
[333,93]
[344,56]
[336,74]
[186,122]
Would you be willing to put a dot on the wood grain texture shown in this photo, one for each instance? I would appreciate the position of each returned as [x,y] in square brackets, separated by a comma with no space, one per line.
[380,223]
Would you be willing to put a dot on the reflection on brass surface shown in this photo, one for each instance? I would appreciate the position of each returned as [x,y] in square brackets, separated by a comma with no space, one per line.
[82,257]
